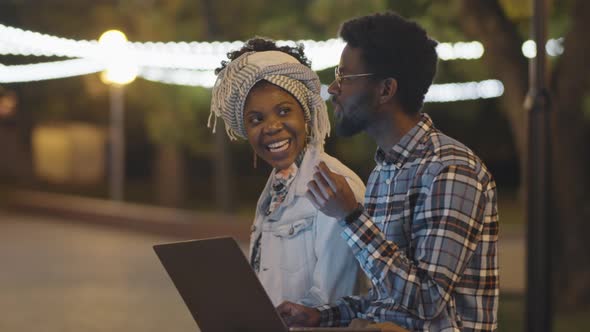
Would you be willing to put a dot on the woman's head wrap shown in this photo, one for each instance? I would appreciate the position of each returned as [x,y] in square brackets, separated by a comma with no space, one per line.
[240,75]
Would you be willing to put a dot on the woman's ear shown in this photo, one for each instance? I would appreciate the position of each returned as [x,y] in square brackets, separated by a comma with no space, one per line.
[388,90]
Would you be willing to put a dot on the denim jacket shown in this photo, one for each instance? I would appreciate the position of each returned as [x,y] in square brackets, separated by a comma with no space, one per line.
[303,257]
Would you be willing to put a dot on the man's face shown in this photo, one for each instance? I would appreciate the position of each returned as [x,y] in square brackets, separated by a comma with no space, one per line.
[354,98]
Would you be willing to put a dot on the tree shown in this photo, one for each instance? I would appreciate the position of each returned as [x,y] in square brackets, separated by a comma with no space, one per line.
[173,116]
[569,78]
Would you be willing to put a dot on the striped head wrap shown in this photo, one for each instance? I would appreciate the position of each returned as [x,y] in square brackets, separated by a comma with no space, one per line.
[240,75]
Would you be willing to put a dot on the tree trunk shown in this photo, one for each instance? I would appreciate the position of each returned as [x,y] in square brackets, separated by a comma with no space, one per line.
[485,21]
[171,175]
[570,84]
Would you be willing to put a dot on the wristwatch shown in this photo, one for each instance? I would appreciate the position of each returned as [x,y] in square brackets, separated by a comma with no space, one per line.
[355,214]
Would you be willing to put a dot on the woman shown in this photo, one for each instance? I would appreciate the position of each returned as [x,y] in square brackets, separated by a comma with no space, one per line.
[270,96]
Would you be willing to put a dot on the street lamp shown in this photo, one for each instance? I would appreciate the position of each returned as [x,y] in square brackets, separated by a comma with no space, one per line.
[120,70]
[539,315]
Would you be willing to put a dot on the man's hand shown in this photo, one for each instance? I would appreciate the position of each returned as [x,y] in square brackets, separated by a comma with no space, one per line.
[330,193]
[298,315]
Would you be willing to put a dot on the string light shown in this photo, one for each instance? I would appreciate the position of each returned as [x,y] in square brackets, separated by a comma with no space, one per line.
[48,70]
[202,78]
[20,42]
[553,47]
[461,50]
[192,63]
[68,68]
[193,55]
[437,92]
[529,49]
[120,67]
[464,91]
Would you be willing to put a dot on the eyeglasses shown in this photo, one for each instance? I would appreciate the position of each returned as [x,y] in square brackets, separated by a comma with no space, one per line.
[339,78]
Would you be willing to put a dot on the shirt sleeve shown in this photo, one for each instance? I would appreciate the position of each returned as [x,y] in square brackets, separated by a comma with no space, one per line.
[345,310]
[446,228]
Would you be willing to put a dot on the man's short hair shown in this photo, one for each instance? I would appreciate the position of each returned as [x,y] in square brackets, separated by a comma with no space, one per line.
[392,46]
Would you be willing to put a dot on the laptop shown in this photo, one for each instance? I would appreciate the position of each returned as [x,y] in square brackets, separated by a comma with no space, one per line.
[220,289]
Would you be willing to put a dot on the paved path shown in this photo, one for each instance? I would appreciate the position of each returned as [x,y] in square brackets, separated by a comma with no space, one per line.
[74,276]
[57,276]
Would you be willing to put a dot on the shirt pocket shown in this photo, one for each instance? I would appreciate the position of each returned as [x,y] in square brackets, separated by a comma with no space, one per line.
[296,239]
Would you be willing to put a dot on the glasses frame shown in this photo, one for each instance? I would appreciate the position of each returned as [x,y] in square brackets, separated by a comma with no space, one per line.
[339,78]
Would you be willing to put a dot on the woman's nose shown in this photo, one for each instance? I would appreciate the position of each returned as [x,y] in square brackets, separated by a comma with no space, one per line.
[273,126]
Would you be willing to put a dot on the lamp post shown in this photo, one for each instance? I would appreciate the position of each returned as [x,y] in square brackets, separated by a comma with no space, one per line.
[120,71]
[539,224]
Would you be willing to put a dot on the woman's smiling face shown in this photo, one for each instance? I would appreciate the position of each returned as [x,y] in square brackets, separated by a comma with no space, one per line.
[275,124]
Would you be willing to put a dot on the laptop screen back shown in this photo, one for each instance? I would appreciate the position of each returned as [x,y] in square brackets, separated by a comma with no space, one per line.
[218,286]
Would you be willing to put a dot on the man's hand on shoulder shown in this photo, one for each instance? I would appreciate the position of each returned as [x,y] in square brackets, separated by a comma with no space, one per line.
[330,193]
[298,315]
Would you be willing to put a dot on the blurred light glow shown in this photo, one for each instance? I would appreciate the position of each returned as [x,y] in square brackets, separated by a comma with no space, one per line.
[462,50]
[554,47]
[121,68]
[112,39]
[187,55]
[194,55]
[450,92]
[20,42]
[120,74]
[192,63]
[8,103]
[464,91]
[206,78]
[202,78]
[437,93]
[322,54]
[529,49]
[324,92]
[48,70]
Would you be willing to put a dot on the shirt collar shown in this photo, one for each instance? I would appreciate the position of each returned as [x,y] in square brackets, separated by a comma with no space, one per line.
[401,151]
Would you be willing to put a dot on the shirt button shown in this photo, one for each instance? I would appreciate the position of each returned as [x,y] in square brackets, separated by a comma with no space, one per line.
[267,213]
[291,231]
[388,181]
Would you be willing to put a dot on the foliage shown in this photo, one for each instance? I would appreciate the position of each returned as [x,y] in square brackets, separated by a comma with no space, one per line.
[172,114]
[175,115]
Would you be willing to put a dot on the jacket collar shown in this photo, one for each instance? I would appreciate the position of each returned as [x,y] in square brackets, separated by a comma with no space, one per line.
[298,187]
[306,170]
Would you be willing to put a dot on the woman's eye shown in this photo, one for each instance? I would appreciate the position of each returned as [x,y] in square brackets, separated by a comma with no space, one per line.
[255,119]
[284,111]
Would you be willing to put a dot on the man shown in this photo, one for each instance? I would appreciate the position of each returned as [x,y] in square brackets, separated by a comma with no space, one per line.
[427,233]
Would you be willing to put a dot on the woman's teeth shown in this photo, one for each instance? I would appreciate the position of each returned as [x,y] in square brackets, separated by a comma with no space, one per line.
[279,146]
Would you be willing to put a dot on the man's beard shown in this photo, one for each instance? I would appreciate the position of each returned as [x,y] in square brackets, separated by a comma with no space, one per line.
[353,117]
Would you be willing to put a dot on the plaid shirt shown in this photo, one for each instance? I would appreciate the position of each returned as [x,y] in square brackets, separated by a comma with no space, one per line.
[427,239]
